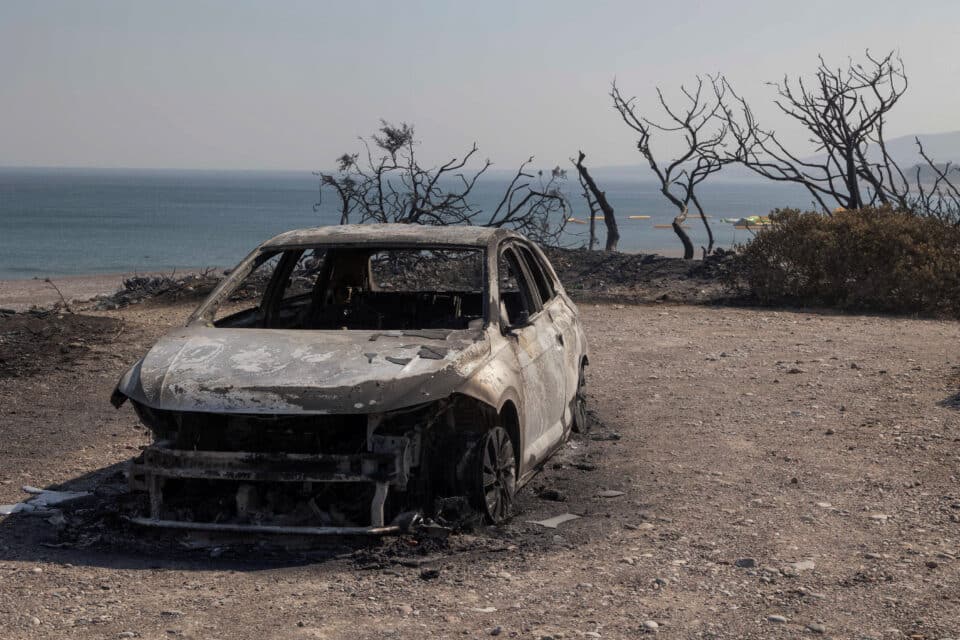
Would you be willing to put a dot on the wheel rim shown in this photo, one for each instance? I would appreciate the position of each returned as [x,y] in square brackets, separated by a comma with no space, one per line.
[499,474]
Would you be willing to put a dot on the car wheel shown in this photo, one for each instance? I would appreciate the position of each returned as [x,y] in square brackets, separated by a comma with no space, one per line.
[581,424]
[495,469]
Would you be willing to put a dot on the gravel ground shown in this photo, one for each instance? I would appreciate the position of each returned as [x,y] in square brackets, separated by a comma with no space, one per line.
[783,474]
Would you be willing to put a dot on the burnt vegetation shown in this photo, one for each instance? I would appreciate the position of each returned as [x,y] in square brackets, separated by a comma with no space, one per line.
[702,132]
[37,342]
[844,111]
[386,182]
[882,237]
[597,204]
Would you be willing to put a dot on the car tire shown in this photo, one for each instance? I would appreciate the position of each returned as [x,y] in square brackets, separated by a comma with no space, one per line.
[492,475]
[578,406]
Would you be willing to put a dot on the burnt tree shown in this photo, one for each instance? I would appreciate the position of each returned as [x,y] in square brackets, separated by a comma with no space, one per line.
[844,111]
[936,194]
[597,201]
[702,132]
[387,183]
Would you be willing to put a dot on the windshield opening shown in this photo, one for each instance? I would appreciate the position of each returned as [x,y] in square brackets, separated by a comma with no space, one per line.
[357,288]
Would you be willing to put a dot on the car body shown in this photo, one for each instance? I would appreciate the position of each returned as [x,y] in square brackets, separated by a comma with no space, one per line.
[351,378]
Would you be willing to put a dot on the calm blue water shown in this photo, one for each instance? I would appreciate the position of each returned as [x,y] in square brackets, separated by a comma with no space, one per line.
[76,221]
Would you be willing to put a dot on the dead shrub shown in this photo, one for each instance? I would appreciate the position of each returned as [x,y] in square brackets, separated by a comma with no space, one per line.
[868,259]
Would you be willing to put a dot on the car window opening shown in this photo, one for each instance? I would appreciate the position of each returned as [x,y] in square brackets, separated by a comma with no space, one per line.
[518,298]
[367,288]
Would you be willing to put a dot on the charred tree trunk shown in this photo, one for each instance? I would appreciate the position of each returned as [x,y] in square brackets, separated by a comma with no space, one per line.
[593,228]
[613,233]
[706,225]
[677,225]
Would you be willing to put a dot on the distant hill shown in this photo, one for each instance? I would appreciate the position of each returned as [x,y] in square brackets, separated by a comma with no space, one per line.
[940,147]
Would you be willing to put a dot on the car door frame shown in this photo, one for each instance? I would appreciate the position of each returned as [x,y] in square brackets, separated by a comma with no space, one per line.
[565,320]
[538,351]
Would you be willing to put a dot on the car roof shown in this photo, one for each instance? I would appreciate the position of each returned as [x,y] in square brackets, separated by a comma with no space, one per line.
[391,234]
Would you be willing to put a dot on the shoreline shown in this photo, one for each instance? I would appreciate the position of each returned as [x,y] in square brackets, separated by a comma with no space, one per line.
[21,295]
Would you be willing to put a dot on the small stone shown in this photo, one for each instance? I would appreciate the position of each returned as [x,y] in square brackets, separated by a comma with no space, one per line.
[879,517]
[824,505]
[610,493]
[650,626]
[931,564]
[776,619]
[872,556]
[37,570]
[789,571]
[35,621]
[816,627]
[746,563]
[127,634]
[795,370]
[804,565]
[429,574]
[829,432]
[496,630]
[405,610]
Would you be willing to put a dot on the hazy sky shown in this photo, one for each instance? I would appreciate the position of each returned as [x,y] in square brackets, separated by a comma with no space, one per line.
[290,85]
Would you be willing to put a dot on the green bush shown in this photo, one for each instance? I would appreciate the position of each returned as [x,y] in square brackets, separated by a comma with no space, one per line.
[869,259]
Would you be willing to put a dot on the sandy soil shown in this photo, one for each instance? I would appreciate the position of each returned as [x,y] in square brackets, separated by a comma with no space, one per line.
[784,475]
[21,295]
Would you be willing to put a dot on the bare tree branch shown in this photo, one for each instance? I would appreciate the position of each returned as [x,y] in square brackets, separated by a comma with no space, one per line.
[703,131]
[389,185]
[844,111]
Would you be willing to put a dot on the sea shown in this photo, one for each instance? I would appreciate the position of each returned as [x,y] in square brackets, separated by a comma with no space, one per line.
[59,222]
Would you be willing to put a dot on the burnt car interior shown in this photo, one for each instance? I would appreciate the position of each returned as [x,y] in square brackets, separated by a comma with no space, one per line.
[361,289]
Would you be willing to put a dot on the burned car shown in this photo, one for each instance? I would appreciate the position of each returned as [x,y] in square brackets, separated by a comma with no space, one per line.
[351,379]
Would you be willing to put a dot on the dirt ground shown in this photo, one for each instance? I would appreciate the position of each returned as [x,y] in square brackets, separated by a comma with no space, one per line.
[784,474]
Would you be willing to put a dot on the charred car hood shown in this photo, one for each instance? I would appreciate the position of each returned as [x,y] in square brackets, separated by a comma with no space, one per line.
[301,372]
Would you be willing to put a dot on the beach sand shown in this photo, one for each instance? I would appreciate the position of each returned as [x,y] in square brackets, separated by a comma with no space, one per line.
[20,295]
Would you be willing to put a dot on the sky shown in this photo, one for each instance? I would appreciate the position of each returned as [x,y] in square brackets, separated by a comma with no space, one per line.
[291,85]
